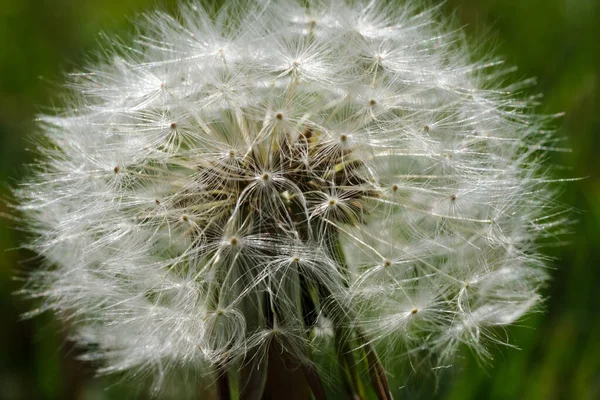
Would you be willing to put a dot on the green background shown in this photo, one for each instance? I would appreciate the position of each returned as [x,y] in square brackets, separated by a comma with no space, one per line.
[557,41]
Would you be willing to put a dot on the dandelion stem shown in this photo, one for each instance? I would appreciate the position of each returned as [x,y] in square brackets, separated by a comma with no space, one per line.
[253,376]
[222,382]
[350,376]
[376,372]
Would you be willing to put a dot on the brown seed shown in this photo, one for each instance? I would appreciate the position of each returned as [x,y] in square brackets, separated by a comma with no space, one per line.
[372,102]
[453,197]
[387,263]
[234,241]
[343,138]
[279,116]
[185,218]
[426,128]
[414,311]
[395,188]
[332,202]
[356,204]
[173,125]
[306,133]
[116,169]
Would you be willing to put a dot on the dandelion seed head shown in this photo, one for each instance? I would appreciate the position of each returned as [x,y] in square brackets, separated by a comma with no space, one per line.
[200,183]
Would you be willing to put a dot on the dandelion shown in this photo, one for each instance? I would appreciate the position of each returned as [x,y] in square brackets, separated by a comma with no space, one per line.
[278,181]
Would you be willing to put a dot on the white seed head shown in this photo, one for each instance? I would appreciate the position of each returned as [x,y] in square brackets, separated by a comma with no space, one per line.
[203,179]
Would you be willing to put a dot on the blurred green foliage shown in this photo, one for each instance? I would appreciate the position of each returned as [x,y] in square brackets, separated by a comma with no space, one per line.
[557,41]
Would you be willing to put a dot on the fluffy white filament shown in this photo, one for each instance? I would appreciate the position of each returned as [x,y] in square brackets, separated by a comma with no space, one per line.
[200,177]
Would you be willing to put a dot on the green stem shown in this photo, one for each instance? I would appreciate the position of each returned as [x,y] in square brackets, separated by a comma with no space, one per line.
[347,364]
[375,368]
[376,372]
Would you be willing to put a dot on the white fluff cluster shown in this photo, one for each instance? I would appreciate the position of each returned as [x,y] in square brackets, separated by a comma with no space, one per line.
[308,174]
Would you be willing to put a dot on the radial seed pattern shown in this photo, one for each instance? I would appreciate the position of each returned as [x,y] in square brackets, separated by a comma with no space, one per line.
[274,171]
